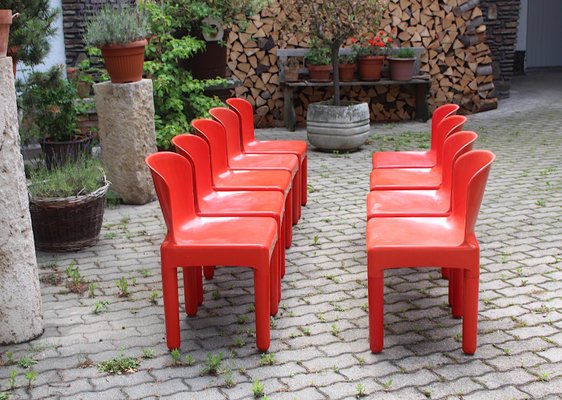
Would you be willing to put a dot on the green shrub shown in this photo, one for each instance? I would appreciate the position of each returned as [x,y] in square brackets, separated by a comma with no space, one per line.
[71,179]
[318,56]
[406,52]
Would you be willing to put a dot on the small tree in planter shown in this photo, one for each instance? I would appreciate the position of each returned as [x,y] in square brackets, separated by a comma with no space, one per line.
[333,22]
[331,125]
[48,103]
[120,31]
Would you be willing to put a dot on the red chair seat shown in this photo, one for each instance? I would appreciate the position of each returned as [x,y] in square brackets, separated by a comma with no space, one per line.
[403,203]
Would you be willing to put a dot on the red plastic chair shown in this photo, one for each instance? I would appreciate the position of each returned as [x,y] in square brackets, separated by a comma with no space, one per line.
[192,241]
[238,160]
[250,145]
[213,203]
[446,242]
[228,179]
[419,159]
[423,203]
[410,178]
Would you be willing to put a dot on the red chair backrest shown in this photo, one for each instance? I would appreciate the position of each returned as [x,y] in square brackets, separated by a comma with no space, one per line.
[470,174]
[231,124]
[196,151]
[214,135]
[447,126]
[455,145]
[245,112]
[172,177]
[439,115]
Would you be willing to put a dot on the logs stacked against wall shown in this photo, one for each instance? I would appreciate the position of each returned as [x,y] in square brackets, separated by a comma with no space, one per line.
[457,58]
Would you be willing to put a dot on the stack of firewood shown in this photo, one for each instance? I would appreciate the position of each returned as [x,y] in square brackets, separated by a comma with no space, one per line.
[457,59]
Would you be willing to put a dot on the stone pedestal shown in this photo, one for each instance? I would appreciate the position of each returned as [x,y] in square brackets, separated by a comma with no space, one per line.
[20,296]
[127,136]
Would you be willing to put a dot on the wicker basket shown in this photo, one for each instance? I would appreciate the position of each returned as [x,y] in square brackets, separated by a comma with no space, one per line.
[68,224]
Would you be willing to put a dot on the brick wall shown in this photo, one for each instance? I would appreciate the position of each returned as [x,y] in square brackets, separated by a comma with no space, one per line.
[501,18]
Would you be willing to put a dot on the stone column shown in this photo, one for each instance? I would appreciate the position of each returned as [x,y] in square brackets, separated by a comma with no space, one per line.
[127,136]
[20,296]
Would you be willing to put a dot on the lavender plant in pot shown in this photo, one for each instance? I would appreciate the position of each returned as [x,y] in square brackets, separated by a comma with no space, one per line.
[120,31]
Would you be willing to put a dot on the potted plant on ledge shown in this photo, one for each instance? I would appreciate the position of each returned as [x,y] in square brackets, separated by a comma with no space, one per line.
[319,64]
[49,112]
[347,68]
[370,52]
[335,125]
[402,65]
[120,31]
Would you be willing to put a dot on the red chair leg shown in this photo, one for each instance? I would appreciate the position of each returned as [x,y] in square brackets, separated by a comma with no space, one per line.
[190,285]
[209,272]
[261,295]
[289,218]
[171,306]
[457,285]
[304,181]
[199,286]
[275,279]
[376,312]
[470,314]
[296,200]
[445,272]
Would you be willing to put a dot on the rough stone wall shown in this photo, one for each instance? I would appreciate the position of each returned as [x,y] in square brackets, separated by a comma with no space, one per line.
[501,18]
[20,296]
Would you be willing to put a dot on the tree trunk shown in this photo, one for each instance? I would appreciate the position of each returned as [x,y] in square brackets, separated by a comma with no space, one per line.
[20,296]
[336,72]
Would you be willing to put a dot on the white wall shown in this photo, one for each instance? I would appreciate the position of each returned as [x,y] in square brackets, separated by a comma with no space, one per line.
[56,54]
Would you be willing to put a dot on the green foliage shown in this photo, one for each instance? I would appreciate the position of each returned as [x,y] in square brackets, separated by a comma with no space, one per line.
[32,30]
[257,389]
[148,353]
[178,97]
[406,52]
[26,362]
[267,359]
[123,287]
[227,11]
[73,273]
[12,379]
[318,56]
[119,365]
[47,101]
[118,23]
[349,59]
[70,179]
[100,306]
[30,376]
[212,364]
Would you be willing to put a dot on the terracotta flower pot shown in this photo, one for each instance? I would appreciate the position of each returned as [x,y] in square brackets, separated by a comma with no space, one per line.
[5,22]
[401,69]
[320,73]
[370,68]
[347,72]
[12,51]
[124,63]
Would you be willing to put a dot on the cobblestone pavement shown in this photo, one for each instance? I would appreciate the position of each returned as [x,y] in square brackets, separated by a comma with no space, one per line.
[319,347]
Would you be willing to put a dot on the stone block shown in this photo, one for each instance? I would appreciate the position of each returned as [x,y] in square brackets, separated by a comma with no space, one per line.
[127,136]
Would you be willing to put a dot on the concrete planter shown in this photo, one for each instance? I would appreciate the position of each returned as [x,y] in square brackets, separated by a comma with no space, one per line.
[341,128]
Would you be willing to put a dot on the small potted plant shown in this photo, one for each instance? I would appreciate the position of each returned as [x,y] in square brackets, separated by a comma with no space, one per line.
[120,31]
[292,69]
[81,76]
[67,205]
[347,67]
[402,65]
[370,52]
[319,64]
[49,111]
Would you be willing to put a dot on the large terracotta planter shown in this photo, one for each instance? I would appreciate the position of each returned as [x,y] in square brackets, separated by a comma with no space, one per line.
[370,68]
[320,73]
[341,128]
[124,63]
[401,69]
[5,22]
[347,72]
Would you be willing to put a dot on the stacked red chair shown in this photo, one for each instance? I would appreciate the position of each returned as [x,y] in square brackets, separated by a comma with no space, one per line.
[193,240]
[250,145]
[252,161]
[426,218]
